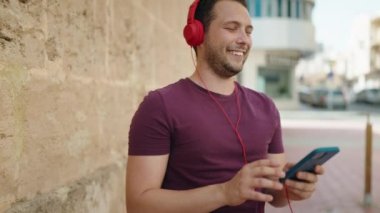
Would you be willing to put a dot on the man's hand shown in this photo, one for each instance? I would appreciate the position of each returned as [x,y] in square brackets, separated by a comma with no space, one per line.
[304,188]
[245,185]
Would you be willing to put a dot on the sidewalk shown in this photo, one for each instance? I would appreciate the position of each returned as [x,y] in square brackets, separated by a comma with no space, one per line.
[329,120]
[341,189]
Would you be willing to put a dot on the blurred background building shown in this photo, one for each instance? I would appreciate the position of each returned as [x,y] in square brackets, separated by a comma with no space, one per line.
[287,60]
[354,69]
[373,76]
[283,34]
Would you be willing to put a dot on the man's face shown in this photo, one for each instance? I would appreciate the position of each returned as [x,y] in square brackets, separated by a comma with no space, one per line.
[228,39]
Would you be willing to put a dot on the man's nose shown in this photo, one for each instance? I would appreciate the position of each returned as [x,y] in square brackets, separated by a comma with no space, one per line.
[244,38]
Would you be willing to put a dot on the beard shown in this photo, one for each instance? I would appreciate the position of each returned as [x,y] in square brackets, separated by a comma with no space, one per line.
[219,62]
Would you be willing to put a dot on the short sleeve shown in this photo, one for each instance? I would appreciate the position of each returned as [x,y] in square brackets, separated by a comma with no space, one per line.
[149,132]
[276,145]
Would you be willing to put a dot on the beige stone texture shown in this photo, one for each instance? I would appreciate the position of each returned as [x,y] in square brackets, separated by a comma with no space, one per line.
[72,73]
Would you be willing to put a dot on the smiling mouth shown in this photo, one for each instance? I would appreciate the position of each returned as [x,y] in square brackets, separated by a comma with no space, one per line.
[237,52]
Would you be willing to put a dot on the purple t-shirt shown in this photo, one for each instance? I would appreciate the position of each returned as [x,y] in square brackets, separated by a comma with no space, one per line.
[183,121]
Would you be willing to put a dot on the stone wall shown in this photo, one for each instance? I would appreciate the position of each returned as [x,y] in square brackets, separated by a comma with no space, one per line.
[72,73]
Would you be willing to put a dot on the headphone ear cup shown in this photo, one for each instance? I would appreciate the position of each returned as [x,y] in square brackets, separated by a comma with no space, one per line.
[194,33]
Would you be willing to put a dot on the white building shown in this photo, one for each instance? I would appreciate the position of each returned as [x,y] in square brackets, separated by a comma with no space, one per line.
[363,53]
[356,67]
[283,33]
[358,53]
[373,77]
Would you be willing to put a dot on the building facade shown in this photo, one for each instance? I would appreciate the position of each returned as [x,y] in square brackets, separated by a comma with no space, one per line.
[283,33]
[363,54]
[358,53]
[373,77]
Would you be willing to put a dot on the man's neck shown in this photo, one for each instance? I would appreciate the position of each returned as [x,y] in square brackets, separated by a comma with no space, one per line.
[207,79]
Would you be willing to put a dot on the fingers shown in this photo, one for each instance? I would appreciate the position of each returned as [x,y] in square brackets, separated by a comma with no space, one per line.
[307,177]
[288,166]
[267,172]
[265,183]
[319,170]
[296,194]
[300,190]
[300,186]
[258,196]
[261,174]
[249,193]
[265,168]
[239,189]
[305,186]
[265,162]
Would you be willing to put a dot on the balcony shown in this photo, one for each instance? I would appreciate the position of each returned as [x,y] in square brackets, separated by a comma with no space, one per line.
[375,34]
[375,42]
[283,34]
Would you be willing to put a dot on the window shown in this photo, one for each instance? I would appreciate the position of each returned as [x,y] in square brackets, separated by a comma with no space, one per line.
[269,8]
[298,8]
[276,83]
[279,3]
[289,8]
[305,10]
[257,8]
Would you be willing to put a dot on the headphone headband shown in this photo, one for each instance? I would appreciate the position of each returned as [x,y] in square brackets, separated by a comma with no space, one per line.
[192,10]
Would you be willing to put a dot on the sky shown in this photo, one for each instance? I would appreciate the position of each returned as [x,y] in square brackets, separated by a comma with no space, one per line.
[333,19]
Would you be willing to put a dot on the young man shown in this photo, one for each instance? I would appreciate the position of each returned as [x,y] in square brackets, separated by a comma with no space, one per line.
[205,143]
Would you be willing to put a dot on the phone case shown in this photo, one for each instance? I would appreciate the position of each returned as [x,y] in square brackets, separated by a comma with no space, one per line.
[316,157]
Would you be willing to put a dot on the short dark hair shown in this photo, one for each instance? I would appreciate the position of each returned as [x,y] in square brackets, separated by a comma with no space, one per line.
[204,12]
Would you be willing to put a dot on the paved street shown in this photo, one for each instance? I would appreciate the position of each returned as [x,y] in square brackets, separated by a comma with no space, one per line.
[364,107]
[341,189]
[352,107]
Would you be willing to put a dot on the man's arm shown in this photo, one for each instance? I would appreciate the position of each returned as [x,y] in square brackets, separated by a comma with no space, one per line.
[146,173]
[144,194]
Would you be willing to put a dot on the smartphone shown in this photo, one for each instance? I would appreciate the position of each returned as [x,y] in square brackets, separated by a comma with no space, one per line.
[316,157]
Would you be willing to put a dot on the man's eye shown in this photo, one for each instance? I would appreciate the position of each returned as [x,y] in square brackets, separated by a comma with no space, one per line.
[231,28]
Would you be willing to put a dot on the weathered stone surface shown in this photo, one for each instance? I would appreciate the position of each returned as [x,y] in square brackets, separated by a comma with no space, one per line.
[94,193]
[72,73]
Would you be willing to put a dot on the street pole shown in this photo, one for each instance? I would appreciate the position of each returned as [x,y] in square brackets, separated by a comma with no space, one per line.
[368,164]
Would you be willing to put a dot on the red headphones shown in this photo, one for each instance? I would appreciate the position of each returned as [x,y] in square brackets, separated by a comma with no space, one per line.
[193,31]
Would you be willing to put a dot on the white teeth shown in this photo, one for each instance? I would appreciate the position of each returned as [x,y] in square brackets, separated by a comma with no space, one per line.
[237,53]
